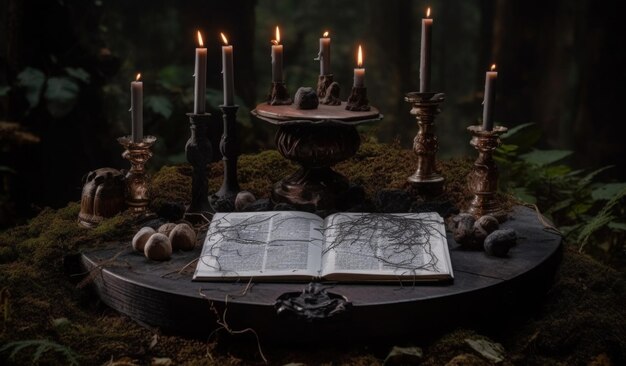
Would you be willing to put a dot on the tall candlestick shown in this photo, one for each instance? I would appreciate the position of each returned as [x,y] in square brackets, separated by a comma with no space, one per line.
[227,72]
[359,71]
[136,109]
[489,102]
[427,24]
[277,59]
[199,97]
[324,54]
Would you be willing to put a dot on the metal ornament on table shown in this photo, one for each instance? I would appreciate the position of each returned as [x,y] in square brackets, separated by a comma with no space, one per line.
[425,107]
[229,147]
[198,152]
[483,179]
[137,180]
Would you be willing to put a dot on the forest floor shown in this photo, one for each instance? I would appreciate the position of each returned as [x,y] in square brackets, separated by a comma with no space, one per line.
[580,320]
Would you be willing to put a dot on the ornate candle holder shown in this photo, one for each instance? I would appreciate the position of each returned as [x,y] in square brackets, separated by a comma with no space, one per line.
[328,90]
[278,94]
[137,180]
[358,99]
[483,179]
[229,147]
[198,151]
[425,107]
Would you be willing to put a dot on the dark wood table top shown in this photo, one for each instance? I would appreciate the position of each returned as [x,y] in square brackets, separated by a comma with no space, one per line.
[289,114]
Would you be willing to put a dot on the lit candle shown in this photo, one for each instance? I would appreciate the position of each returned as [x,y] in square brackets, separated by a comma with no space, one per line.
[324,55]
[359,71]
[227,71]
[427,25]
[489,102]
[199,96]
[277,58]
[136,109]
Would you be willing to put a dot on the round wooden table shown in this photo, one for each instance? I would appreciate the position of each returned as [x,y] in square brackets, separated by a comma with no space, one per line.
[156,294]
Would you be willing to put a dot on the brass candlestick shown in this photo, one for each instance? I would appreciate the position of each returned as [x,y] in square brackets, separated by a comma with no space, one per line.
[425,107]
[278,94]
[229,147]
[198,151]
[483,179]
[137,180]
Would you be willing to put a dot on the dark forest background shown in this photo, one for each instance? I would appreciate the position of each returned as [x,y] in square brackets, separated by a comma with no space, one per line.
[66,67]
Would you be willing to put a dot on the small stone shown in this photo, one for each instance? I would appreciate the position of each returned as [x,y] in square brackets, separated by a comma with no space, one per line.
[183,237]
[171,211]
[499,242]
[464,229]
[243,199]
[166,228]
[306,98]
[484,226]
[223,205]
[142,236]
[393,201]
[404,356]
[158,248]
[262,204]
[492,351]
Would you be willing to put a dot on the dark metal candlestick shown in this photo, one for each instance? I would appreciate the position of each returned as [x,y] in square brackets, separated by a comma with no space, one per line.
[278,94]
[323,82]
[425,107]
[198,151]
[137,180]
[229,147]
[483,179]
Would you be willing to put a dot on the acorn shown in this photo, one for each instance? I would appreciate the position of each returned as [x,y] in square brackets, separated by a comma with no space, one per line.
[158,248]
[183,237]
[142,236]
[166,228]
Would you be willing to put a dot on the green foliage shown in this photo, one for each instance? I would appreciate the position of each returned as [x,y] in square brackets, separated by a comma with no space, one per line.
[41,347]
[31,80]
[61,95]
[159,104]
[587,211]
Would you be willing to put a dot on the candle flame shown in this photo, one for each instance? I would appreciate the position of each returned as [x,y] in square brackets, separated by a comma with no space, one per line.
[138,77]
[493,67]
[325,34]
[359,59]
[200,43]
[224,39]
[277,39]
[428,12]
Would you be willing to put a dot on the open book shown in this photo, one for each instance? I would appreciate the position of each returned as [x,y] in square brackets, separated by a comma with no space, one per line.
[300,246]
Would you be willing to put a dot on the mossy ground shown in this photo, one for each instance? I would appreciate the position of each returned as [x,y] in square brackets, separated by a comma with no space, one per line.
[580,320]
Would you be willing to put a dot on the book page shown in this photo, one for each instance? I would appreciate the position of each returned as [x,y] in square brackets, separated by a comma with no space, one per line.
[385,245]
[261,244]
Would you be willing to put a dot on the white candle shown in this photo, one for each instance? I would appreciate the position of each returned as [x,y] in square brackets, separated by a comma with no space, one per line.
[489,102]
[227,71]
[277,59]
[136,109]
[359,71]
[427,25]
[324,54]
[199,96]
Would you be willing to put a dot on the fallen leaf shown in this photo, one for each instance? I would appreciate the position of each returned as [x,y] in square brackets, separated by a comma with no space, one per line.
[490,350]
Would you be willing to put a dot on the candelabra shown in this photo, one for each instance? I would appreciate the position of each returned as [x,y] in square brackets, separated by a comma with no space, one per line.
[229,147]
[198,152]
[483,179]
[425,107]
[137,180]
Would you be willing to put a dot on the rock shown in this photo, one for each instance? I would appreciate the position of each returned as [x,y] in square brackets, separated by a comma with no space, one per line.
[492,351]
[499,242]
[183,237]
[171,211]
[464,229]
[404,356]
[484,226]
[223,205]
[243,199]
[285,207]
[158,248]
[306,98]
[166,228]
[393,201]
[263,204]
[142,236]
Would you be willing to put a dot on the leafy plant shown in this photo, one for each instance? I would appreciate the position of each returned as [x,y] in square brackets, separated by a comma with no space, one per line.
[585,210]
[41,346]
